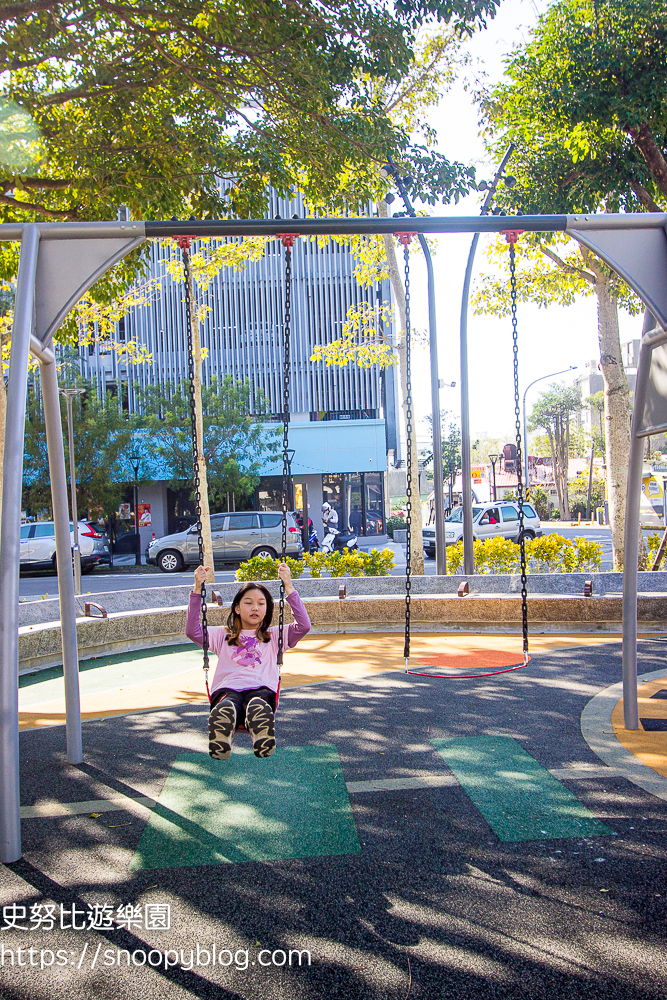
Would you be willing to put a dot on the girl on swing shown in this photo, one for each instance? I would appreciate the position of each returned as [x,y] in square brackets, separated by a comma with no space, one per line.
[246,679]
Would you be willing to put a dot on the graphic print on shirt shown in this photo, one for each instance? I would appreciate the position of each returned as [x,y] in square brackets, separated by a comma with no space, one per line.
[247,653]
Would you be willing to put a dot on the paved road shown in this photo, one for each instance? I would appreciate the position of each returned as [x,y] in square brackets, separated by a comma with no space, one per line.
[44,583]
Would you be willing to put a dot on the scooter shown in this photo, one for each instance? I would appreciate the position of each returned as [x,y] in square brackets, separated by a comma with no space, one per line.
[338,541]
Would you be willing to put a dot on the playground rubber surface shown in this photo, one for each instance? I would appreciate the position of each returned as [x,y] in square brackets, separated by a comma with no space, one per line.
[420,838]
[145,679]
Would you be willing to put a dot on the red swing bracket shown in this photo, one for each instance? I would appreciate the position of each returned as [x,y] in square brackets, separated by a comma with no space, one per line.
[405,238]
[184,242]
[287,239]
[512,235]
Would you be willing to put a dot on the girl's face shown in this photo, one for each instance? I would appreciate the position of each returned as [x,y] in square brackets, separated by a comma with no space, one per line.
[251,609]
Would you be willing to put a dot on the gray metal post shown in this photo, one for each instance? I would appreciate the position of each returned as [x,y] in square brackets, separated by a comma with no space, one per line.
[631,553]
[438,485]
[10,554]
[436,429]
[76,552]
[54,441]
[466,463]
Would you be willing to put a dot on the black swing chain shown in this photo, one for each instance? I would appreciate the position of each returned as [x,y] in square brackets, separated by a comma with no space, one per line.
[519,459]
[408,451]
[287,323]
[195,445]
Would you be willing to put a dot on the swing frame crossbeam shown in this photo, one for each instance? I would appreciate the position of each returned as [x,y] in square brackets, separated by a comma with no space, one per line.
[60,261]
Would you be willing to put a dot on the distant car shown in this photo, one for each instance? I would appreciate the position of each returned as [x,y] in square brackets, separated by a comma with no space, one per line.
[38,545]
[488,521]
[236,537]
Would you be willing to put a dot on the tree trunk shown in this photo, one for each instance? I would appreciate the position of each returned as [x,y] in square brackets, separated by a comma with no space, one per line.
[199,415]
[616,411]
[416,538]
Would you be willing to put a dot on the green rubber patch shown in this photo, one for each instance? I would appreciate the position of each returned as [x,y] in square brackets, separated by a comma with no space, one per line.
[210,812]
[518,798]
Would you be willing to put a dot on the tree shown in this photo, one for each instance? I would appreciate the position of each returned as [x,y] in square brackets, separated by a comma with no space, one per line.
[552,411]
[114,102]
[485,446]
[364,340]
[578,494]
[235,441]
[102,442]
[554,269]
[585,107]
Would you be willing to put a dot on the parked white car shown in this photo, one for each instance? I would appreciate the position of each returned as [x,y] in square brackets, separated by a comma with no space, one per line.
[38,545]
[488,521]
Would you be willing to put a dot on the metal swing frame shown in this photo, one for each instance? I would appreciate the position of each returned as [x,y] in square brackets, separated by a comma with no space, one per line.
[59,262]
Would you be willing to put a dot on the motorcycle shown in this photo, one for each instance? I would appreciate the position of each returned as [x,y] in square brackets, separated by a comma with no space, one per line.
[338,541]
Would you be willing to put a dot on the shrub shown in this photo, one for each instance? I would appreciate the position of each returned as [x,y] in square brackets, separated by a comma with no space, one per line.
[316,562]
[502,555]
[455,558]
[376,562]
[589,555]
[540,500]
[653,543]
[547,554]
[395,521]
[544,553]
[258,568]
[578,493]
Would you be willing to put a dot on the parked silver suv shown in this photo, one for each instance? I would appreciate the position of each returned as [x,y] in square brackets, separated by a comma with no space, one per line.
[500,517]
[38,545]
[236,537]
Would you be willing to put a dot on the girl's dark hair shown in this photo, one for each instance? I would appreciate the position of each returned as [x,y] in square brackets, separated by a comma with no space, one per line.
[234,620]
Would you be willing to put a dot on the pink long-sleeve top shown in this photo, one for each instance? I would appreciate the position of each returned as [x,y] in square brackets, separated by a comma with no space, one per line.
[253,663]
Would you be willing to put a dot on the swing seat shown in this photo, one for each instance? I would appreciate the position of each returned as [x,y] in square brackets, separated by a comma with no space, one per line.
[242,729]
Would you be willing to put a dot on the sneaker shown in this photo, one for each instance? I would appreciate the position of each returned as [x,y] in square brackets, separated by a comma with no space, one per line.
[261,724]
[221,729]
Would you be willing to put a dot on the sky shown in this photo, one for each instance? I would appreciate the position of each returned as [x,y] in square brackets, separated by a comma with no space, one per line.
[549,339]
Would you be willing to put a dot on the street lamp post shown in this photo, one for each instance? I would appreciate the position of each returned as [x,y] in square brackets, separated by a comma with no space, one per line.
[69,395]
[136,461]
[493,459]
[525,442]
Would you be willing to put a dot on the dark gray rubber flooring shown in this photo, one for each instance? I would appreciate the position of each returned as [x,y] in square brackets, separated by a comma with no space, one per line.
[434,906]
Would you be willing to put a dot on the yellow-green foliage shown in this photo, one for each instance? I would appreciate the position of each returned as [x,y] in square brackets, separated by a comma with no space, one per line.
[376,562]
[258,568]
[653,543]
[316,563]
[548,554]
[373,563]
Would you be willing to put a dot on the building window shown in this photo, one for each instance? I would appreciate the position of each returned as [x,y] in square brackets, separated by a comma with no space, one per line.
[358,499]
